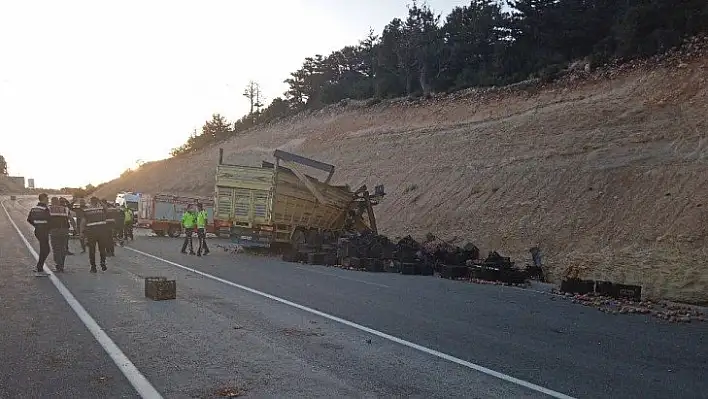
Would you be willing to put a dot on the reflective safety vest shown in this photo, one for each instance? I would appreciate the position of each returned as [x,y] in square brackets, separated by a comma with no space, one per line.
[95,216]
[128,217]
[202,217]
[58,217]
[188,220]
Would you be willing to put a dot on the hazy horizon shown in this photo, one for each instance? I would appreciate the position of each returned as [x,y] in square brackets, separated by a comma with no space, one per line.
[146,74]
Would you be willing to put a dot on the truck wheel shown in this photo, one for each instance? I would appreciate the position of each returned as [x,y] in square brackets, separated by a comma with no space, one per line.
[174,232]
[159,233]
[297,241]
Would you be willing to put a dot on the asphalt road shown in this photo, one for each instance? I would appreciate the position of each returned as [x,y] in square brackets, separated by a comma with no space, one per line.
[224,333]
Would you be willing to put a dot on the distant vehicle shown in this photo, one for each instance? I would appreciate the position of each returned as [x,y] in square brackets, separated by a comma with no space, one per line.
[13,197]
[162,213]
[130,200]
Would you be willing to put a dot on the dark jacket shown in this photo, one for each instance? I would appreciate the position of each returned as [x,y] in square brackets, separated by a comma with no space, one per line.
[39,218]
[59,217]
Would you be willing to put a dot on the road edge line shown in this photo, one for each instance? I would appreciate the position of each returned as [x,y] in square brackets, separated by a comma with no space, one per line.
[134,376]
[420,348]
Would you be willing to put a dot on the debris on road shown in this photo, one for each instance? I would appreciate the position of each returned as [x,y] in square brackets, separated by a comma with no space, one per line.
[673,313]
[576,285]
[230,392]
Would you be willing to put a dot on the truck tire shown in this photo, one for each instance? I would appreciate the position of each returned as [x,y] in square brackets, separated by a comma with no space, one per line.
[174,232]
[298,240]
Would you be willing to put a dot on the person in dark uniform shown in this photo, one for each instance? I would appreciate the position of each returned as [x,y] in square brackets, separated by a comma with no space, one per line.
[65,203]
[120,225]
[115,213]
[79,211]
[93,227]
[39,217]
[59,222]
[110,228]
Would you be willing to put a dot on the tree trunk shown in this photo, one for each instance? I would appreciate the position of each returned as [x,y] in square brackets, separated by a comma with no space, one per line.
[424,80]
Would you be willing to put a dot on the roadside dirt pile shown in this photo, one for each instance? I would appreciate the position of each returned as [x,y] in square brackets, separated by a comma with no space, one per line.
[604,170]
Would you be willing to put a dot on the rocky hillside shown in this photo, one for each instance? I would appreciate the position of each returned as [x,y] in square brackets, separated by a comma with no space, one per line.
[605,170]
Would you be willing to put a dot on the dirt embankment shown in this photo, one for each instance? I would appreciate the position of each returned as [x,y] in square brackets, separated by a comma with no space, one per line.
[607,174]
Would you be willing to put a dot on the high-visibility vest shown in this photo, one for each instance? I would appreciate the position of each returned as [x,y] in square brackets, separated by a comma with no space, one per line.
[188,220]
[202,217]
[128,215]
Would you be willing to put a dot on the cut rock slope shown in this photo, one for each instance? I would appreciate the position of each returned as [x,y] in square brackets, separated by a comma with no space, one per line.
[607,174]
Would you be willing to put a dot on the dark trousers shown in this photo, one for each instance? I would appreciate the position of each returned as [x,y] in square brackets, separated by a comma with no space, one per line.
[59,239]
[201,235]
[118,234]
[97,238]
[82,240]
[188,240]
[109,242]
[128,231]
[44,249]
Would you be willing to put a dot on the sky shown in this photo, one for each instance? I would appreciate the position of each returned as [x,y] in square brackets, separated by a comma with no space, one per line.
[90,88]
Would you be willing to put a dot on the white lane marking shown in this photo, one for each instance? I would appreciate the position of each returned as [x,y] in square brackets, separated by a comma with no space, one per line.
[342,277]
[380,334]
[136,378]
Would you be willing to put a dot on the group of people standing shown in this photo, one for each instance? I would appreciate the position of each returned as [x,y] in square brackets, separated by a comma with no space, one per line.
[195,222]
[99,224]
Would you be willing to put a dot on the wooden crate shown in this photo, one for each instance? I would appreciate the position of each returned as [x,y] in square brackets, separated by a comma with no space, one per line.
[374,265]
[160,288]
[316,258]
[454,272]
[409,268]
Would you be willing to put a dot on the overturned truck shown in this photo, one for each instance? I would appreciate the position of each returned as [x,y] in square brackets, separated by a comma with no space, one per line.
[278,204]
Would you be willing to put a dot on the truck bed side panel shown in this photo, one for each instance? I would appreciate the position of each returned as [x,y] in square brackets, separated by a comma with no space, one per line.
[244,194]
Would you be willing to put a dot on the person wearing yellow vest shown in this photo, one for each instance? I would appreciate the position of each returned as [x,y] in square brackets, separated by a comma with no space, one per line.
[202,219]
[127,224]
[189,221]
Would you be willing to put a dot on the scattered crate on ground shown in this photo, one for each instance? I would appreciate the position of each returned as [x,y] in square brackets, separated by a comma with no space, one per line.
[160,288]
